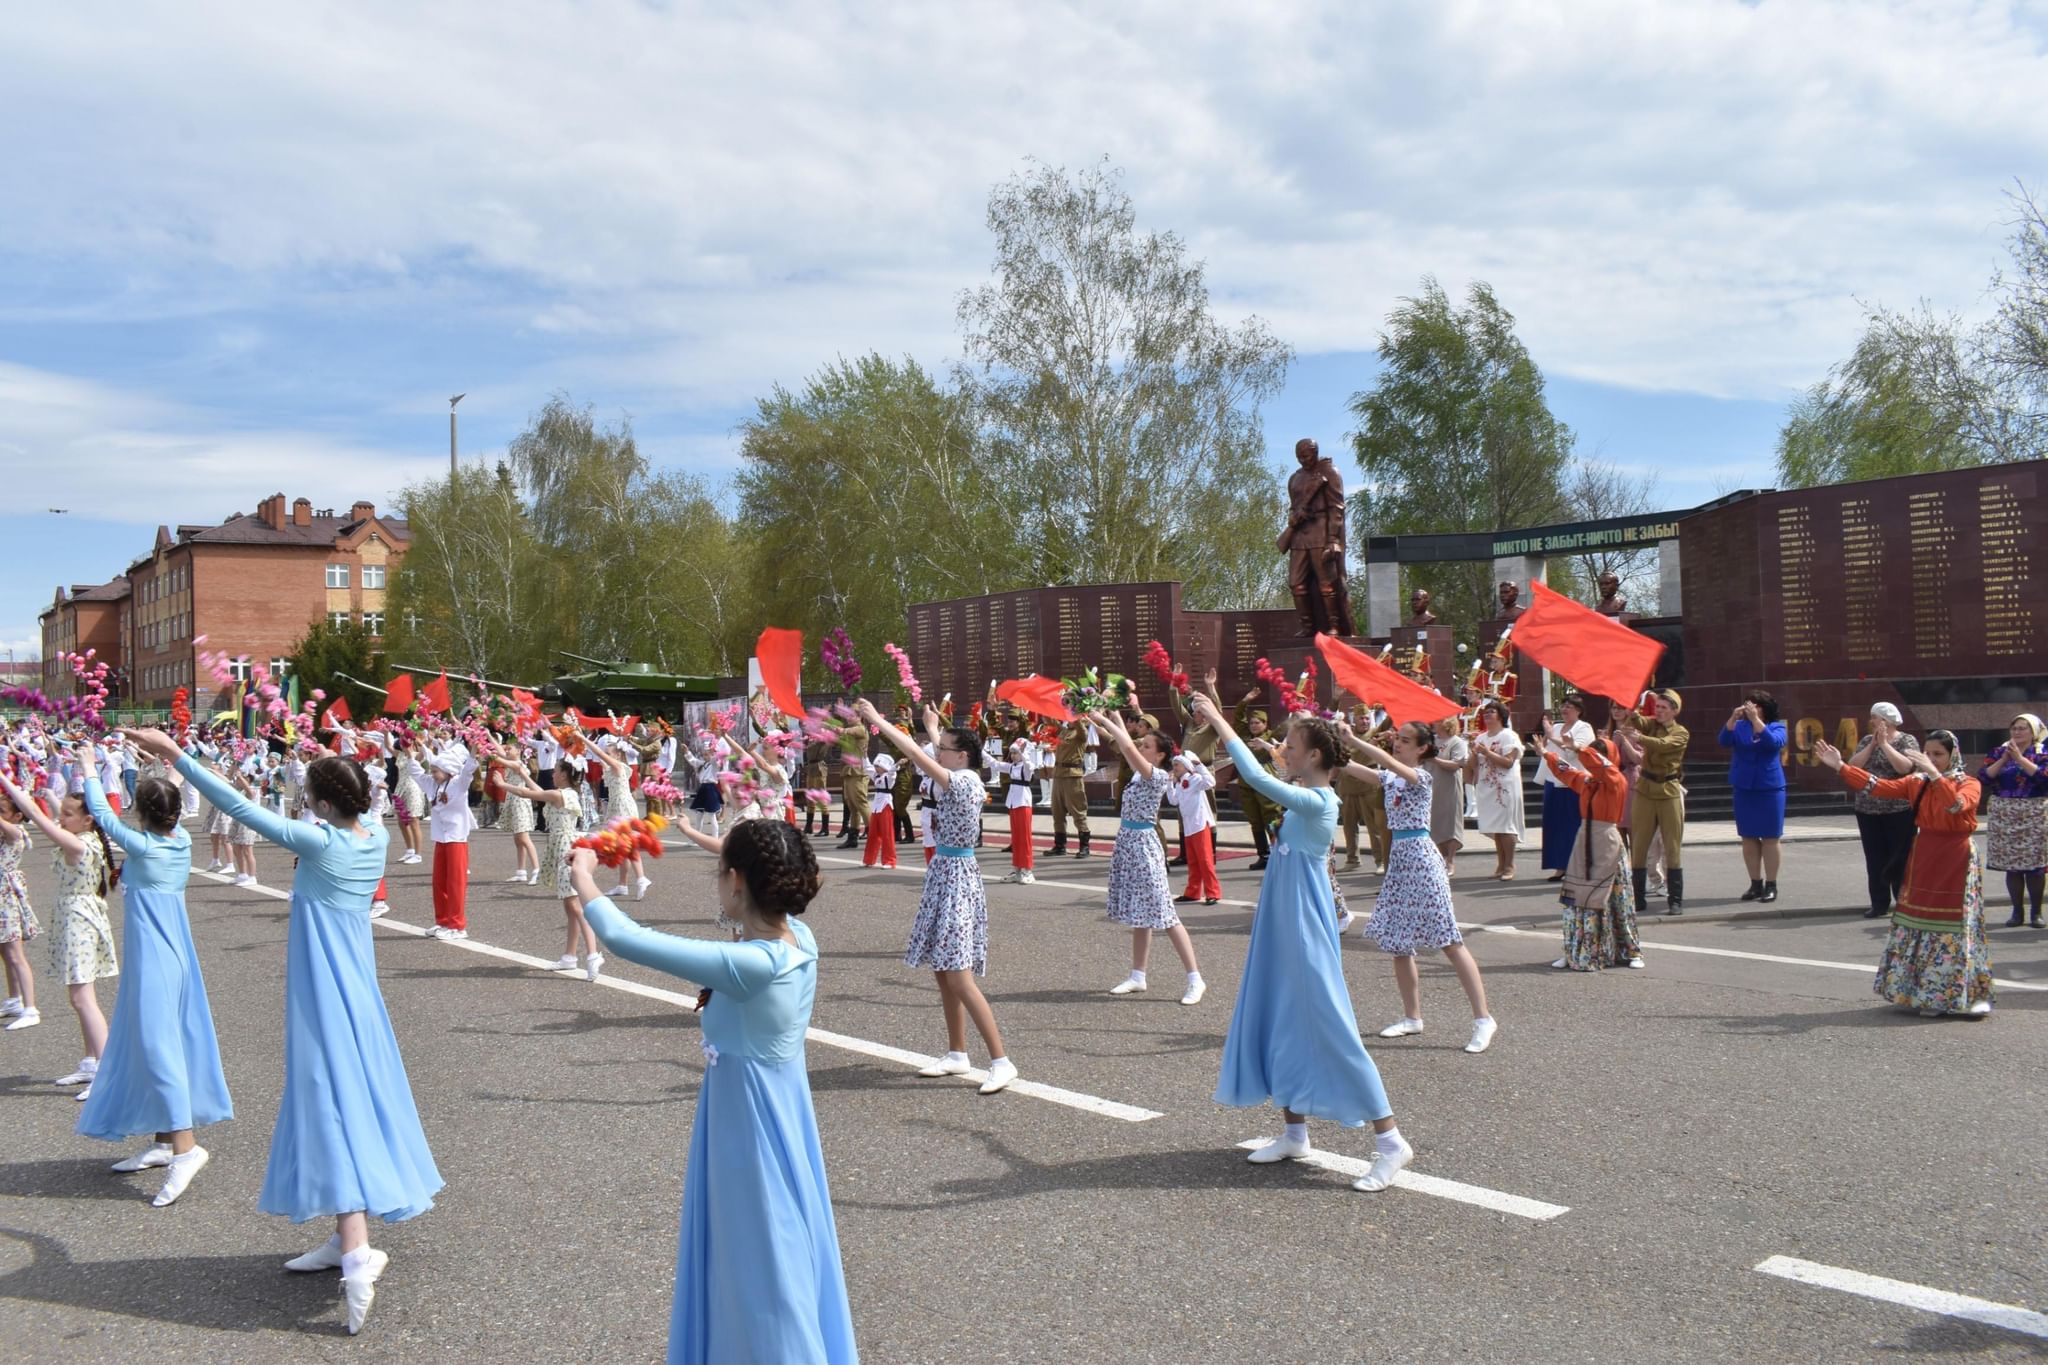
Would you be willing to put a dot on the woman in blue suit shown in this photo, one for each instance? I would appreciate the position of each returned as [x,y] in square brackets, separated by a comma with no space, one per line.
[1755,740]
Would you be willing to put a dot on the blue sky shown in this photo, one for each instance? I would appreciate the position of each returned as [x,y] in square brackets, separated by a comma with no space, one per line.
[254,249]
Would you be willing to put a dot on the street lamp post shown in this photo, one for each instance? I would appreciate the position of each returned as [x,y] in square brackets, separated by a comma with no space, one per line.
[451,437]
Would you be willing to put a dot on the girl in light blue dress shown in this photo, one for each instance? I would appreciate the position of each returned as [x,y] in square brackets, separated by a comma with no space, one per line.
[348,1141]
[161,1072]
[757,1265]
[1293,1038]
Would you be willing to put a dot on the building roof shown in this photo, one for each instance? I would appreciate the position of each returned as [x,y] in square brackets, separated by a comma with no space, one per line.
[246,529]
[111,591]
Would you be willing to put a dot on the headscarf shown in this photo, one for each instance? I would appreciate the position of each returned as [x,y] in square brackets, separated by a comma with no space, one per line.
[2033,723]
[1955,750]
[1885,711]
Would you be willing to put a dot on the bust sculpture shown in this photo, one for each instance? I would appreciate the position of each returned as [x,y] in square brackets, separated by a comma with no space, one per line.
[1419,614]
[1612,603]
[1510,599]
[1314,544]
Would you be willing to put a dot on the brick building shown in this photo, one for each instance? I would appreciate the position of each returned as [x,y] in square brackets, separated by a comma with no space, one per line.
[250,585]
[86,617]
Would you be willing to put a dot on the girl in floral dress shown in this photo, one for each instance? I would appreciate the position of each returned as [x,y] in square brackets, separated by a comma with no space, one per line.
[1937,959]
[17,922]
[409,798]
[81,936]
[562,808]
[519,822]
[950,934]
[1138,893]
[619,804]
[1414,911]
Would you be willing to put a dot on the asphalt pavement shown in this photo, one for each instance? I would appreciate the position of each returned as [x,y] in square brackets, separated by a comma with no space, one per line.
[1602,1185]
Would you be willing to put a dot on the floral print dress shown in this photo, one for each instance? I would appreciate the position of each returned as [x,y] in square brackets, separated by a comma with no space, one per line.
[562,821]
[950,933]
[81,936]
[1413,913]
[1138,893]
[17,916]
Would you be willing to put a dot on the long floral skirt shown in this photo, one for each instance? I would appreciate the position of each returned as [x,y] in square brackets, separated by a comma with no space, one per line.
[1928,969]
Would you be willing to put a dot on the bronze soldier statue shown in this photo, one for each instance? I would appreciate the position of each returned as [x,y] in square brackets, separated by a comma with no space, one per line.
[1314,544]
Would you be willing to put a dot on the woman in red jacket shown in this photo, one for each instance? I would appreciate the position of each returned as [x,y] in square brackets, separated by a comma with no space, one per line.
[1937,959]
[1599,912]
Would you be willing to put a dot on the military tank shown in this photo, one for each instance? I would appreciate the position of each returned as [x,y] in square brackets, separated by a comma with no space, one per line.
[637,689]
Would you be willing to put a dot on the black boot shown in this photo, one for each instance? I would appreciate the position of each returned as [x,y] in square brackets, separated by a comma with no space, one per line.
[2016,922]
[1756,890]
[1674,890]
[1083,852]
[1770,893]
[1261,845]
[1059,845]
[1639,878]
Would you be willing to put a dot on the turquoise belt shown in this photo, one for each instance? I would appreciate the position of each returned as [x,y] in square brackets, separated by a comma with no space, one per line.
[949,851]
[1139,824]
[1401,834]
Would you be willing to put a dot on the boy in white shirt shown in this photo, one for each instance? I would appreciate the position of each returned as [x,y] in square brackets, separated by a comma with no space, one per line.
[881,844]
[1190,795]
[449,823]
[1016,776]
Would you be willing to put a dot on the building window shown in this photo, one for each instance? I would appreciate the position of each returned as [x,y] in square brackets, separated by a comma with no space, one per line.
[373,622]
[373,575]
[412,620]
[238,669]
[337,619]
[337,575]
[280,668]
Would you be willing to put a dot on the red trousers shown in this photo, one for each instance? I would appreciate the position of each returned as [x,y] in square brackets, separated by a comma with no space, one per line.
[451,885]
[380,890]
[1020,837]
[928,852]
[881,847]
[1201,849]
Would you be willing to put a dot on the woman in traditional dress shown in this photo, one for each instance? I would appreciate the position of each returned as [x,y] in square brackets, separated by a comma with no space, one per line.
[348,1141]
[757,1263]
[562,809]
[1447,792]
[1937,959]
[1293,1040]
[1498,753]
[950,934]
[1599,913]
[2016,819]
[161,1072]
[1139,897]
[1414,912]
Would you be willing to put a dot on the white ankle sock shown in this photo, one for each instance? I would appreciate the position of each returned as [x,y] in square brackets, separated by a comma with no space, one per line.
[1194,978]
[352,1261]
[956,1056]
[1296,1132]
[1389,1141]
[1138,977]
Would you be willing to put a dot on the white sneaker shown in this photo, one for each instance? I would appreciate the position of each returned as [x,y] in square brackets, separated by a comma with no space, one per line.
[1979,1010]
[640,888]
[618,892]
[1014,874]
[1128,986]
[244,879]
[83,1095]
[1282,1148]
[379,909]
[1344,923]
[1560,964]
[1637,963]
[1001,1072]
[1482,1035]
[952,1064]
[410,858]
[1404,1028]
[360,1290]
[326,1256]
[518,877]
[1385,1166]
[434,931]
[566,963]
[156,1154]
[591,965]
[88,1067]
[1025,877]
[26,1019]
[455,935]
[1197,988]
[183,1168]
[10,1007]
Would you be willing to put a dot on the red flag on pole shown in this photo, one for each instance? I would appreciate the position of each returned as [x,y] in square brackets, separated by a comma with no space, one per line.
[781,655]
[1594,653]
[337,714]
[1370,680]
[400,696]
[1040,696]
[434,696]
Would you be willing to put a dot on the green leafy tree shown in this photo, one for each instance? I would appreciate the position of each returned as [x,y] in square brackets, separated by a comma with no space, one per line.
[327,652]
[1123,418]
[468,596]
[1455,435]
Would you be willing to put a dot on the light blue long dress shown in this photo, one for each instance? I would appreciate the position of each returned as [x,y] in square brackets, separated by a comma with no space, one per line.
[348,1136]
[161,1070]
[757,1265]
[1293,1039]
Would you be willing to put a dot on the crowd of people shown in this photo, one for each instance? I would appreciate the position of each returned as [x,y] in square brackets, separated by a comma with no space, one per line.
[126,810]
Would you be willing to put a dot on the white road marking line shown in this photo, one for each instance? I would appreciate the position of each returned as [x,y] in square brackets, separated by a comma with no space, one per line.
[1051,1094]
[1909,1295]
[1431,1184]
[1867,968]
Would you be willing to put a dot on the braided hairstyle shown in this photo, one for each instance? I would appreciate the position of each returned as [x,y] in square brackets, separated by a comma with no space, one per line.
[109,874]
[341,783]
[1321,738]
[158,805]
[776,863]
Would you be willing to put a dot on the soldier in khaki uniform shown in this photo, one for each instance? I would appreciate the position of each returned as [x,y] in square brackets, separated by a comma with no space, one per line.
[1260,813]
[1070,788]
[1360,802]
[853,783]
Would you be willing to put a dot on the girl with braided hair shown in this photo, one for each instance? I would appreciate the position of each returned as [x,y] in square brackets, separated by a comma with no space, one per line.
[757,1266]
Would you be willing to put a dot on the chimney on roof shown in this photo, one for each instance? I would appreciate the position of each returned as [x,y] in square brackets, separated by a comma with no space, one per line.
[362,511]
[271,511]
[302,511]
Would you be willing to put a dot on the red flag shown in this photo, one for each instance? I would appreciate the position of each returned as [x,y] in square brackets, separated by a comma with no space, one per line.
[434,696]
[337,714]
[781,655]
[1040,696]
[1593,653]
[399,698]
[1370,680]
[529,707]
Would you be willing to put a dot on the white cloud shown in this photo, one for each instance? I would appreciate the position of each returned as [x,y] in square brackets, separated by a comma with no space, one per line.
[1685,194]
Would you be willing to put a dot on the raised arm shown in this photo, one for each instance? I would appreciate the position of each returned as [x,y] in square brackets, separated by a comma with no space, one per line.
[132,841]
[1124,746]
[72,846]
[910,748]
[300,836]
[737,969]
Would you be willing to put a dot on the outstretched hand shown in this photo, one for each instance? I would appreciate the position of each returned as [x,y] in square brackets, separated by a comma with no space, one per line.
[1828,754]
[155,742]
